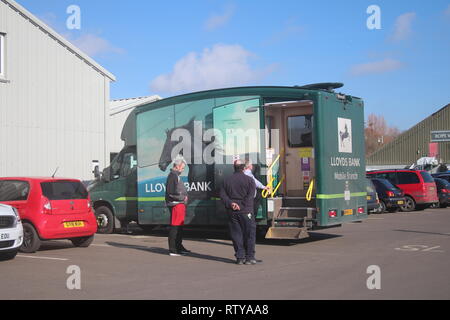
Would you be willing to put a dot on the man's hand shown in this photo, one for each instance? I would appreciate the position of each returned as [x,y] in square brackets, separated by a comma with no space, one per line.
[235,207]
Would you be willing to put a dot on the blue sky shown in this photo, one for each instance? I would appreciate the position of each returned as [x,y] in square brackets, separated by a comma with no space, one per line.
[169,47]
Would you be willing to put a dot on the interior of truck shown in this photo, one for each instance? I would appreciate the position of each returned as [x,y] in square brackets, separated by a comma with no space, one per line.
[290,160]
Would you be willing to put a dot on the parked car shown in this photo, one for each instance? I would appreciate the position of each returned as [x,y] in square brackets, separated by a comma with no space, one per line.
[373,202]
[445,176]
[50,209]
[391,197]
[11,232]
[443,187]
[418,185]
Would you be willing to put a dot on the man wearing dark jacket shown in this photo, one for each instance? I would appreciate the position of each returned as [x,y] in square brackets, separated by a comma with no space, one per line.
[176,200]
[238,195]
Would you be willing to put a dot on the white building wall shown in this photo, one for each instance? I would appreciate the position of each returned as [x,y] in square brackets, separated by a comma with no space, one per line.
[53,105]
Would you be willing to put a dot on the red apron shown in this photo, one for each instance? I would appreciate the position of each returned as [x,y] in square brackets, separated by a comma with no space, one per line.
[178,215]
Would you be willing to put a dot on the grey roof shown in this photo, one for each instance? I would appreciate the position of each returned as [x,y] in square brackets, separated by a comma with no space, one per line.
[117,106]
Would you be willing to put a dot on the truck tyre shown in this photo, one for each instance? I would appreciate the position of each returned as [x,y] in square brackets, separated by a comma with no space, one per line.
[148,228]
[31,241]
[410,205]
[105,220]
[83,242]
[5,256]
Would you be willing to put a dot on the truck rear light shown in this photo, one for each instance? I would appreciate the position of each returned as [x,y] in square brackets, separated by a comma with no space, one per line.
[361,210]
[332,213]
[47,206]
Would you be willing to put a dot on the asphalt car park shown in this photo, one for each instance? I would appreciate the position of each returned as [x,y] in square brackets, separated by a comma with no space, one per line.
[409,250]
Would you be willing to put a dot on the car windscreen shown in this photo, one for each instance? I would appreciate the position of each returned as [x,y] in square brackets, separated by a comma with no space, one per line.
[370,187]
[427,178]
[14,190]
[64,190]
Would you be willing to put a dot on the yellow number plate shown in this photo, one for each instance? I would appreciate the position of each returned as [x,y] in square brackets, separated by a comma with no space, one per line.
[75,224]
[348,212]
[401,202]
[369,198]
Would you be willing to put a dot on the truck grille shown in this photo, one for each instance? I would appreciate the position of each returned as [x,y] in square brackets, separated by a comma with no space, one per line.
[6,244]
[7,222]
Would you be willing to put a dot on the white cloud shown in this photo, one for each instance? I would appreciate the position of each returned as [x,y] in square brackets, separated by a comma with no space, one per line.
[218,20]
[378,67]
[403,27]
[216,67]
[94,45]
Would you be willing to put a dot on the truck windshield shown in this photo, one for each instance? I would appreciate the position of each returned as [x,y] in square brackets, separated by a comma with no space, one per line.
[64,190]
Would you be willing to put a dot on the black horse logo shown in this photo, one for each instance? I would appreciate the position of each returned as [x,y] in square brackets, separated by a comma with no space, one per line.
[344,135]
[198,170]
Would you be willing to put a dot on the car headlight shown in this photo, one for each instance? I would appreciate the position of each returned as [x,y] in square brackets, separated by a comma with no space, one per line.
[16,213]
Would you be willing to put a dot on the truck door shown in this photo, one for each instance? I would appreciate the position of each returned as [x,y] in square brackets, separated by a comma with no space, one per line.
[124,182]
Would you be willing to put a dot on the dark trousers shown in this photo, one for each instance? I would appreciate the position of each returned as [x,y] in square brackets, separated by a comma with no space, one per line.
[175,238]
[242,232]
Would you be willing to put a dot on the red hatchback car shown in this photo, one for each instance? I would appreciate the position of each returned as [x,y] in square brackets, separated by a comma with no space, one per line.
[50,209]
[419,187]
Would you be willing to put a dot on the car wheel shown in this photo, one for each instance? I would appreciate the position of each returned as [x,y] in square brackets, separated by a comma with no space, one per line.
[31,241]
[382,207]
[5,256]
[105,220]
[393,210]
[410,205]
[443,205]
[83,242]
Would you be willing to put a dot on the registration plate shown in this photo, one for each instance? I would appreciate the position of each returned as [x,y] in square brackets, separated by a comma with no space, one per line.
[74,224]
[5,236]
[369,198]
[401,202]
[348,212]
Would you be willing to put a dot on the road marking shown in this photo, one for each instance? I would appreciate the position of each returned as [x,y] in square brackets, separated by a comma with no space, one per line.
[43,258]
[419,248]
[375,219]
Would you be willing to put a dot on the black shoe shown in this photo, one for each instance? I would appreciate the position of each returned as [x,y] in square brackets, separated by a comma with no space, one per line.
[240,262]
[250,262]
[184,250]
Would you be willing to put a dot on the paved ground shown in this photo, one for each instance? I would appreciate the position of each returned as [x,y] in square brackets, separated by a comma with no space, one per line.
[411,250]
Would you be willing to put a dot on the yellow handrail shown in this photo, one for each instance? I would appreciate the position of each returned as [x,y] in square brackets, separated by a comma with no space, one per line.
[310,191]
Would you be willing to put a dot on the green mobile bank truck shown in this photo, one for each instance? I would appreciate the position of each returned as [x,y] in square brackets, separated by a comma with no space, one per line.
[306,143]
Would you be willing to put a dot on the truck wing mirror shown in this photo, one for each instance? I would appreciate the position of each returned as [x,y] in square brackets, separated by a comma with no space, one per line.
[97,172]
[106,176]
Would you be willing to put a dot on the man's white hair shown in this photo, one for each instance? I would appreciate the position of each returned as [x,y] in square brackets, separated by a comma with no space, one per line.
[179,160]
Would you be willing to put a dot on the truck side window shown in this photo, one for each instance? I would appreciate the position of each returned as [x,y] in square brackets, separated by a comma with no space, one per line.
[128,164]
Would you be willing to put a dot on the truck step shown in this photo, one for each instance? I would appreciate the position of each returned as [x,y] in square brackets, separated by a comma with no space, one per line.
[286,233]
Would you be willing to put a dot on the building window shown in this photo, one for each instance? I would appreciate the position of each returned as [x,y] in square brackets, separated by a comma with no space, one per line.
[2,55]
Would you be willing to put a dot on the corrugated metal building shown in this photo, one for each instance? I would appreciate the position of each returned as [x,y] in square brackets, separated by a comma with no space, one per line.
[120,110]
[415,143]
[54,101]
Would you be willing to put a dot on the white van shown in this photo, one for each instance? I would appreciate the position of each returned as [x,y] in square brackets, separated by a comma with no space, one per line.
[11,232]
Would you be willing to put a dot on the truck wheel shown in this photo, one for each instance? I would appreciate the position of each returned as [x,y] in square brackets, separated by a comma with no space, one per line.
[105,220]
[83,242]
[147,228]
[31,241]
[410,205]
[5,256]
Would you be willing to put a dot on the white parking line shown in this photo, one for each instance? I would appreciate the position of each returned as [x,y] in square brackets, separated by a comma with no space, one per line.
[43,258]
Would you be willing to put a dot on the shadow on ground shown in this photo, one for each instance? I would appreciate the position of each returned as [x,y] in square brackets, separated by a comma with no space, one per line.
[165,252]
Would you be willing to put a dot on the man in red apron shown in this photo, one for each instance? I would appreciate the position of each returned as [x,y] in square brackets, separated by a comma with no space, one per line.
[176,200]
